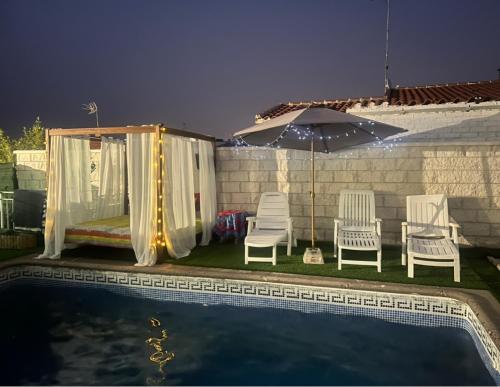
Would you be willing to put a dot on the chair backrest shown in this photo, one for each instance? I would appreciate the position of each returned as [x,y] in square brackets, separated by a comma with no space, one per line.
[273,211]
[357,210]
[427,215]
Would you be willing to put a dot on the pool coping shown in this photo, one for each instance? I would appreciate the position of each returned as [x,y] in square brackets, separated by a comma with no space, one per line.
[482,302]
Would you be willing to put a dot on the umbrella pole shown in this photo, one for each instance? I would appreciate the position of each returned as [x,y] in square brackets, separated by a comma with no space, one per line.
[312,190]
[312,254]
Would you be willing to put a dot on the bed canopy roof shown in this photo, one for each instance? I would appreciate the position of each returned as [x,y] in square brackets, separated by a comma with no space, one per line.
[160,179]
[130,129]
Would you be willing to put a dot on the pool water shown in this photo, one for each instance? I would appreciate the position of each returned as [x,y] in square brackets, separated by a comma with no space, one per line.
[86,336]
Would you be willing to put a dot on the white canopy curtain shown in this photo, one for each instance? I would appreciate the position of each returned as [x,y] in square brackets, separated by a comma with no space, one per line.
[142,153]
[111,196]
[69,195]
[179,217]
[208,200]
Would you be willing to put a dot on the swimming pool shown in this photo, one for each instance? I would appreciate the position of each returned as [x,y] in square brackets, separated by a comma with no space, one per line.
[227,332]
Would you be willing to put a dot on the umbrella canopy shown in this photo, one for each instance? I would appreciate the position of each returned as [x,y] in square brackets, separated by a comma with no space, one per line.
[317,130]
[329,130]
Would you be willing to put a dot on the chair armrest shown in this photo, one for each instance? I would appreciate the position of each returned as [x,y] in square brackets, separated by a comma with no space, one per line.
[454,232]
[251,219]
[378,222]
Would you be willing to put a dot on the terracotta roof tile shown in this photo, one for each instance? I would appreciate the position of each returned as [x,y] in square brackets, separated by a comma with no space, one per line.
[472,92]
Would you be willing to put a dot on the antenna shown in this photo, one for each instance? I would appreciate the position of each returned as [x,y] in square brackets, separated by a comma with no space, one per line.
[386,75]
[91,107]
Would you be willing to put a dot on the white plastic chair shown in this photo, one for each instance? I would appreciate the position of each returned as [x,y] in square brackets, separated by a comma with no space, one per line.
[426,236]
[271,227]
[356,228]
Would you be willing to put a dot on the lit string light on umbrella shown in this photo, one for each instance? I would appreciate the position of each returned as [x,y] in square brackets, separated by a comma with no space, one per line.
[306,134]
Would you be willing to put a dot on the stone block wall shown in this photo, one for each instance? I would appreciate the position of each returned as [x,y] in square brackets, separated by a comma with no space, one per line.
[468,174]
[31,166]
[30,169]
[456,122]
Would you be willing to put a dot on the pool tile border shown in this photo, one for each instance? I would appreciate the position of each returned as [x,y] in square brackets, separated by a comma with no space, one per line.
[405,308]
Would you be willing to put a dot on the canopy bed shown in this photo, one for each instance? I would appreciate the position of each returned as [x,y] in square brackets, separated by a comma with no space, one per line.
[169,176]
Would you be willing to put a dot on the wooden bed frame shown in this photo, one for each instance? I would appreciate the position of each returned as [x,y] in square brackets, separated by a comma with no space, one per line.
[158,129]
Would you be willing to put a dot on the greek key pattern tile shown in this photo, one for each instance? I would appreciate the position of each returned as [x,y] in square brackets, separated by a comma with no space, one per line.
[399,308]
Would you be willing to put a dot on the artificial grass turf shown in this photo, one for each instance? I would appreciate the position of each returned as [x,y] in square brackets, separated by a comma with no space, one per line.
[476,271]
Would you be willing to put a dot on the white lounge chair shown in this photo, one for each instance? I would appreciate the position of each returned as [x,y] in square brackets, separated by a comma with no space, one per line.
[426,234]
[271,227]
[356,228]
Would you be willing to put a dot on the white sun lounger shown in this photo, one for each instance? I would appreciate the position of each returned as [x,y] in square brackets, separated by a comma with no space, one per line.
[426,235]
[271,227]
[356,228]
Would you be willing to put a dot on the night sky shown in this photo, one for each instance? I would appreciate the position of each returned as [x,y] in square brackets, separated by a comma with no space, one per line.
[210,66]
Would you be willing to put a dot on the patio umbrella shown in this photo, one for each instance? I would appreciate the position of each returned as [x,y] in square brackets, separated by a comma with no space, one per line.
[318,130]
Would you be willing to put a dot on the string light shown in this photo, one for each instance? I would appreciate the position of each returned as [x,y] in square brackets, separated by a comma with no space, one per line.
[305,134]
[246,150]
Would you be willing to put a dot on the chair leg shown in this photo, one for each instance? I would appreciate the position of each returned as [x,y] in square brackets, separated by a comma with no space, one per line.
[335,242]
[246,254]
[456,270]
[340,259]
[274,255]
[379,261]
[410,266]
[289,247]
[403,254]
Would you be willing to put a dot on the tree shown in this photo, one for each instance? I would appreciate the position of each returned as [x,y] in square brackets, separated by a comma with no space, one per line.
[32,138]
[6,155]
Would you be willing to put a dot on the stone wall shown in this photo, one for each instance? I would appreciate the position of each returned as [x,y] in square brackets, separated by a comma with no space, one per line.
[455,152]
[31,166]
[30,169]
[448,123]
[469,176]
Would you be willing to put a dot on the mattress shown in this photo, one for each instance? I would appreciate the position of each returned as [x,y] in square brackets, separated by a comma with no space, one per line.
[111,232]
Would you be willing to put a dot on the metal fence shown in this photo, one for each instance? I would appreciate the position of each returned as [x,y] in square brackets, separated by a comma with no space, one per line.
[6,209]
